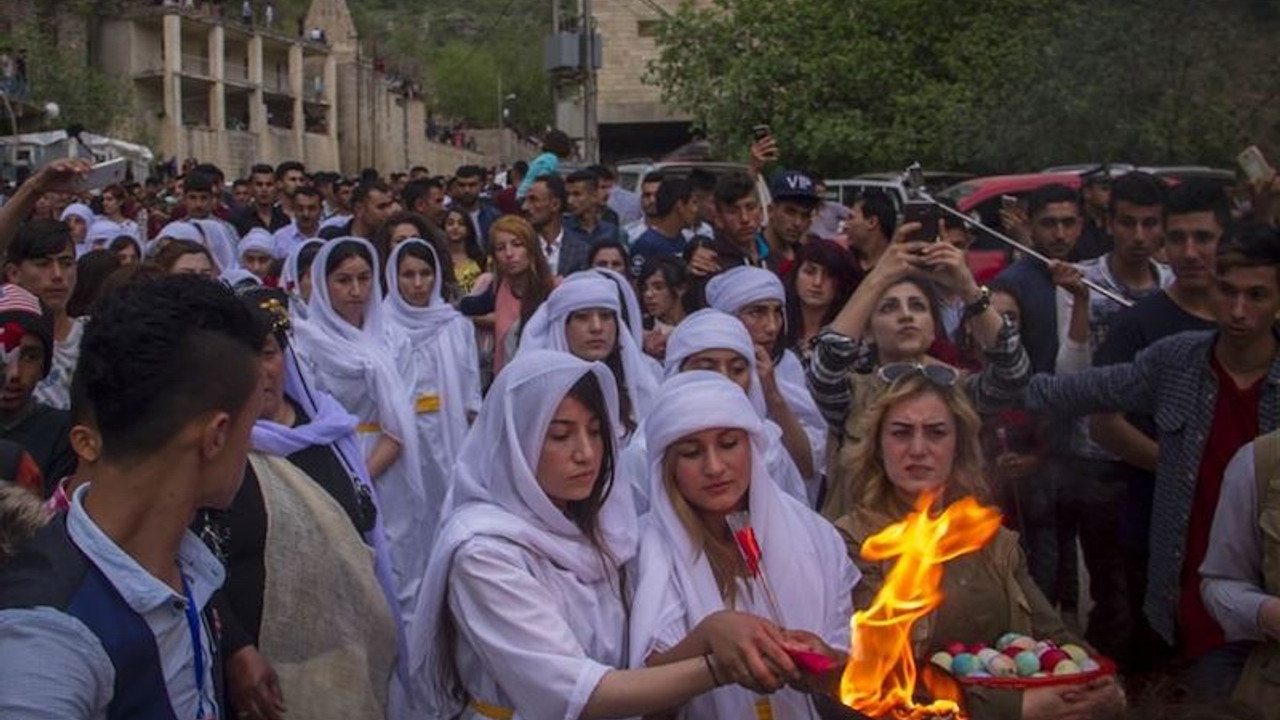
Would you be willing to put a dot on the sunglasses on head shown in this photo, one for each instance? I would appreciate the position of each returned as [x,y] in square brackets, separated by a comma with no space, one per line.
[940,375]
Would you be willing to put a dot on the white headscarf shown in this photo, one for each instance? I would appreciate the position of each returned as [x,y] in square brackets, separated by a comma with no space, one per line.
[630,303]
[803,556]
[711,329]
[239,276]
[732,290]
[290,280]
[735,289]
[102,232]
[495,492]
[257,239]
[429,329]
[214,235]
[80,210]
[580,291]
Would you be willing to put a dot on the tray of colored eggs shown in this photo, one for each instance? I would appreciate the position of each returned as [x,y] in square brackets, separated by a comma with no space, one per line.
[1019,661]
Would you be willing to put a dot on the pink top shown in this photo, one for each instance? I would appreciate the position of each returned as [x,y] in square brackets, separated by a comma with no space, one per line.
[506,313]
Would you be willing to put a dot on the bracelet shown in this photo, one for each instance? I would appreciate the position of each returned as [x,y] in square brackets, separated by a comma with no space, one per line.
[712,669]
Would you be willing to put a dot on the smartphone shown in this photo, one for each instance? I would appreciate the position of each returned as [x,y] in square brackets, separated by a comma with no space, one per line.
[1008,202]
[102,175]
[760,132]
[925,213]
[1255,165]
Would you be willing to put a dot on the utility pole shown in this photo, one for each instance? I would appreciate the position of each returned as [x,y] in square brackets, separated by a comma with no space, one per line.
[590,139]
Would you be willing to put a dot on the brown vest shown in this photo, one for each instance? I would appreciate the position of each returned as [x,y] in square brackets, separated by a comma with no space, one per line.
[1259,684]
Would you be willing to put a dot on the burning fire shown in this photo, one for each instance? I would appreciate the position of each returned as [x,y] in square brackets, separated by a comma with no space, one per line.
[880,678]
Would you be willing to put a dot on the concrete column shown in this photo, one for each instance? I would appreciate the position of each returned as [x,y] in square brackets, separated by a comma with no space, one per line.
[331,95]
[257,103]
[218,71]
[295,87]
[171,133]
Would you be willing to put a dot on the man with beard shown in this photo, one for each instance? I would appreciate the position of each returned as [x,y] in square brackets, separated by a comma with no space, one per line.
[648,205]
[567,250]
[790,216]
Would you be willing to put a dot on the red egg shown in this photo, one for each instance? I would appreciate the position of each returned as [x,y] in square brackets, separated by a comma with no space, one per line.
[976,648]
[1050,659]
[955,648]
[1012,651]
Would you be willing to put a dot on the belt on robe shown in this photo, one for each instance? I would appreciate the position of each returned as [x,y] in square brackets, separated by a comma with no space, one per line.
[369,428]
[425,404]
[764,711]
[495,712]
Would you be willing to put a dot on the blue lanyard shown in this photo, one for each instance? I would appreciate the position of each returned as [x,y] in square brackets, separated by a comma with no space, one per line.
[194,624]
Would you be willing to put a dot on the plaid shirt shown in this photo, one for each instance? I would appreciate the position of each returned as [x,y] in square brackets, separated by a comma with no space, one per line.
[1173,381]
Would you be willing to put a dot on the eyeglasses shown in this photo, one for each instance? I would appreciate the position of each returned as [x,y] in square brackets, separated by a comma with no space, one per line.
[940,375]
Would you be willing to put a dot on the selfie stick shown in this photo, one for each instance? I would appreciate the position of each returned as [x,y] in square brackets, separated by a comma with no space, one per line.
[912,181]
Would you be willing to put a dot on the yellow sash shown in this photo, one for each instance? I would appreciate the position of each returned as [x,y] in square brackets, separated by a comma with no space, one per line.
[427,404]
[495,712]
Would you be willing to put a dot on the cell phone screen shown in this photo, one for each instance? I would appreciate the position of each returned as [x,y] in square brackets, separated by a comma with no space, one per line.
[927,215]
[760,132]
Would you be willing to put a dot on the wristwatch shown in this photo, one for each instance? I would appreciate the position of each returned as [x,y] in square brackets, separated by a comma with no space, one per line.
[980,304]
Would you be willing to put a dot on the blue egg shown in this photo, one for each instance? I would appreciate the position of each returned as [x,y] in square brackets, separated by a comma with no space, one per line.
[965,664]
[1028,663]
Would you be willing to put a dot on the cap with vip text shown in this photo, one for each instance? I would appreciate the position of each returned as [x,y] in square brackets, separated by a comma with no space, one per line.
[794,186]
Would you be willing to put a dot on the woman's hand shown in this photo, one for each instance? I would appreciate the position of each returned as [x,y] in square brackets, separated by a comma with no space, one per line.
[946,265]
[655,343]
[826,683]
[748,650]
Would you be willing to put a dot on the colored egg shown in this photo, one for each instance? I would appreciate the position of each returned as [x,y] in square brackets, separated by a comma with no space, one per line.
[955,648]
[1007,639]
[1027,663]
[1043,647]
[985,655]
[942,660]
[1050,659]
[976,648]
[1089,665]
[1023,643]
[1076,652]
[965,664]
[1002,666]
[1066,667]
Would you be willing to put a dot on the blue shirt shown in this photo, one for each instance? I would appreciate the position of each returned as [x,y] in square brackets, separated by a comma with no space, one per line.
[652,244]
[54,667]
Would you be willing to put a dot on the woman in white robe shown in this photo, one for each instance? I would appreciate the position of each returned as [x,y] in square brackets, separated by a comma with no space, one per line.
[712,340]
[757,297]
[353,353]
[706,461]
[295,276]
[583,317]
[446,391]
[524,611]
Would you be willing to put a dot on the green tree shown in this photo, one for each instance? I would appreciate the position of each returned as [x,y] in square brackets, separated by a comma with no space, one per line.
[84,94]
[857,85]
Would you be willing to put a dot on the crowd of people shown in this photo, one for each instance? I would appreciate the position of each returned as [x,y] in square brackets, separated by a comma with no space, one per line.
[301,445]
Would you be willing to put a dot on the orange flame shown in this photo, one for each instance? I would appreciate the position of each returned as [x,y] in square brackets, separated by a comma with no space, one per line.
[880,678]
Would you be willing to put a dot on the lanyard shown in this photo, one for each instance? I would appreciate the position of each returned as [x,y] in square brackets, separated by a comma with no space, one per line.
[194,624]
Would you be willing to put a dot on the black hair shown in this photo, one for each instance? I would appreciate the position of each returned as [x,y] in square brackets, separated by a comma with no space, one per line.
[160,353]
[238,182]
[262,169]
[305,256]
[556,141]
[197,182]
[654,176]
[472,241]
[602,172]
[470,171]
[213,171]
[92,270]
[118,242]
[366,187]
[672,191]
[288,166]
[413,191]
[556,187]
[308,191]
[417,251]
[1249,246]
[732,187]
[609,244]
[876,203]
[670,268]
[346,249]
[584,176]
[37,240]
[369,175]
[269,307]
[1052,194]
[702,180]
[1199,195]
[1137,188]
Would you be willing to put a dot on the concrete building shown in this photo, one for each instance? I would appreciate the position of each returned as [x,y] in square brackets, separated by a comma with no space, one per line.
[632,120]
[231,94]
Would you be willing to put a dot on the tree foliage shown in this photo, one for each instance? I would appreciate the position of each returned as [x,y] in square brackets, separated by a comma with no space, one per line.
[84,94]
[984,85]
